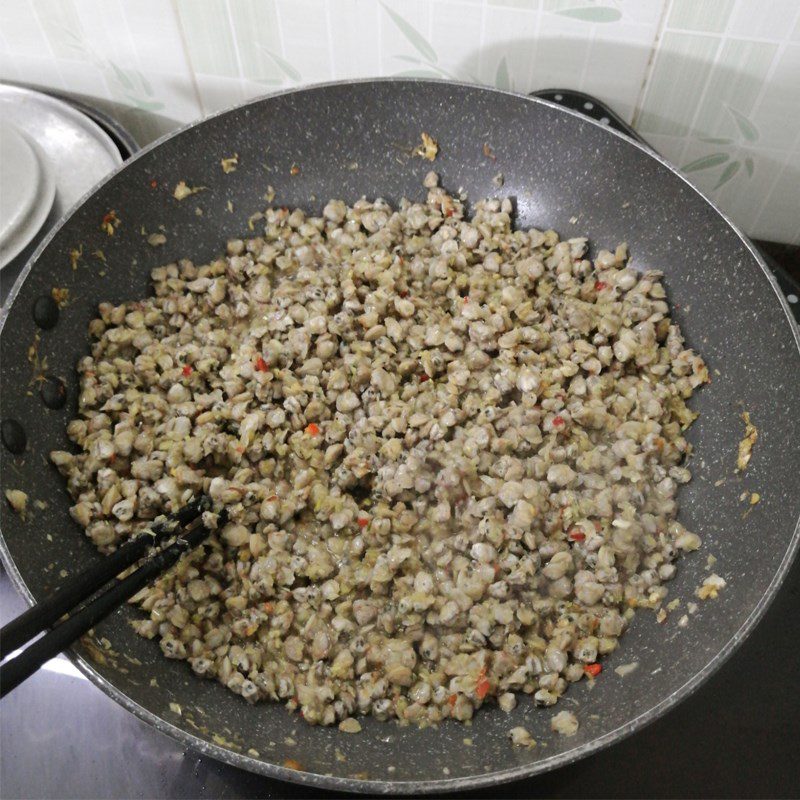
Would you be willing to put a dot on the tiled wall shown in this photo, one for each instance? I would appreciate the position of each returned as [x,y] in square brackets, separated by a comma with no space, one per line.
[714,85]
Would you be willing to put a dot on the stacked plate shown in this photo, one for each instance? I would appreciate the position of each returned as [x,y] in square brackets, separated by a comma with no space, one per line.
[52,151]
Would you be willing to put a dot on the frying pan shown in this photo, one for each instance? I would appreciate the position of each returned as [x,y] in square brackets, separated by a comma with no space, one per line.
[563,171]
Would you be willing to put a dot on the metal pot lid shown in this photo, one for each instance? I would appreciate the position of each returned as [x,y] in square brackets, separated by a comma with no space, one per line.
[27,190]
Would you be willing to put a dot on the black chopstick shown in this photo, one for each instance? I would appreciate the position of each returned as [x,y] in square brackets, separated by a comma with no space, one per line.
[16,670]
[86,583]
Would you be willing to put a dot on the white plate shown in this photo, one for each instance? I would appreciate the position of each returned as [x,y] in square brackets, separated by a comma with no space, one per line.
[78,153]
[27,190]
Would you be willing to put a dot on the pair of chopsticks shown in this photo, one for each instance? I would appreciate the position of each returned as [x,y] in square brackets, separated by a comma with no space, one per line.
[188,531]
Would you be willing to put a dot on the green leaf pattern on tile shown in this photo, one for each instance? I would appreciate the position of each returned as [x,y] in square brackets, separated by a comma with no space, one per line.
[283,65]
[136,89]
[748,134]
[124,80]
[727,174]
[706,162]
[715,140]
[414,37]
[428,62]
[146,85]
[592,13]
[746,127]
[502,78]
[127,85]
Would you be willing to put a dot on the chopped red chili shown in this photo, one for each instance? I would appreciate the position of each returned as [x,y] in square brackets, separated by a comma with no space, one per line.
[261,365]
[362,522]
[600,285]
[423,378]
[576,535]
[593,670]
[558,421]
[452,699]
[482,687]
[403,293]
[312,429]
[187,370]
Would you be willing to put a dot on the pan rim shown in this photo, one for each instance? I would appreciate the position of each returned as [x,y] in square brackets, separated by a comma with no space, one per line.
[381,786]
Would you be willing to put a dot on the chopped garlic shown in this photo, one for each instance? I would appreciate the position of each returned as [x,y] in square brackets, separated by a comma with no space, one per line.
[625,669]
[183,190]
[350,725]
[230,164]
[18,501]
[565,723]
[520,737]
[746,445]
[711,587]
[428,149]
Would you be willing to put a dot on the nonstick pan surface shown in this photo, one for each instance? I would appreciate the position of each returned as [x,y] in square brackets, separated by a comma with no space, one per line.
[563,171]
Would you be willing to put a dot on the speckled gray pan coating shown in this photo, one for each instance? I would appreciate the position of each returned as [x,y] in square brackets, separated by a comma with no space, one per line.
[557,165]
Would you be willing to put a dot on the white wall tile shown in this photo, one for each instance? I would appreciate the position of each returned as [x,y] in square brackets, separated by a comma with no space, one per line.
[618,62]
[780,209]
[753,18]
[354,53]
[38,71]
[456,32]
[710,16]
[778,110]
[218,92]
[404,37]
[508,54]
[84,79]
[22,32]
[681,68]
[304,39]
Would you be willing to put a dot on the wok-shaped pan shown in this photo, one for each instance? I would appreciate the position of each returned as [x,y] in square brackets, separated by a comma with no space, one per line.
[565,172]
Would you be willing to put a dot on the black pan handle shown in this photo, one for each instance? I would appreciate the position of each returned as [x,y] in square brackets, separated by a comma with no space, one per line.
[590,107]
